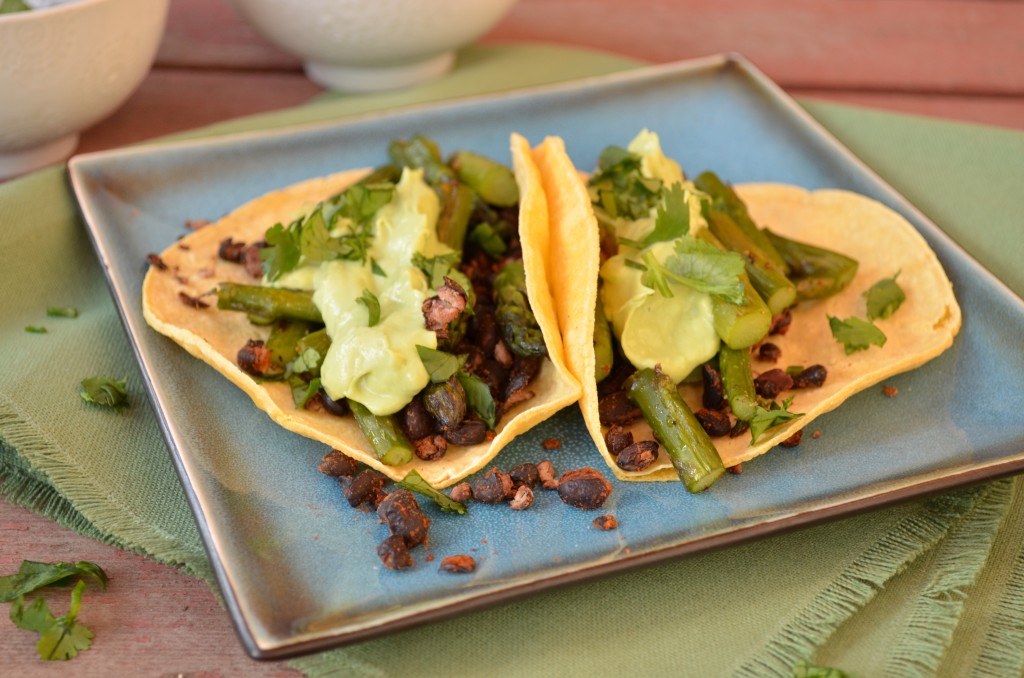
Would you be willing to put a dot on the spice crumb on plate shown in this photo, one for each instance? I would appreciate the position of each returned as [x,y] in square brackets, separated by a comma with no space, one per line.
[606,522]
[890,391]
[460,564]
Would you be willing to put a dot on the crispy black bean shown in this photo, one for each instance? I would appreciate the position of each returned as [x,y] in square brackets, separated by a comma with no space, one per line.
[617,438]
[771,383]
[415,420]
[585,488]
[769,352]
[394,553]
[364,487]
[812,376]
[525,474]
[493,487]
[637,456]
[469,432]
[714,392]
[739,428]
[715,423]
[617,408]
[430,448]
[404,517]
[523,372]
[337,464]
[338,408]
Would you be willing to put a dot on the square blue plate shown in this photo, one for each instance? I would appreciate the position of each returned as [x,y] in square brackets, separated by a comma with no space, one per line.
[298,567]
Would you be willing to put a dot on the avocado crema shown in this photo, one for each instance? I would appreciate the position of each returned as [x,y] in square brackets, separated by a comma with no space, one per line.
[378,365]
[674,332]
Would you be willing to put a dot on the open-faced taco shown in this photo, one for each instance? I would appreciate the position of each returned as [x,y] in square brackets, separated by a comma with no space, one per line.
[400,315]
[708,324]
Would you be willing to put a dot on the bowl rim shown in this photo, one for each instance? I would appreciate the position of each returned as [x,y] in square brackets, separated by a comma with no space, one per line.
[64,7]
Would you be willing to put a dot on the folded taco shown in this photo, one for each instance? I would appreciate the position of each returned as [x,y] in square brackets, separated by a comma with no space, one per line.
[400,315]
[708,324]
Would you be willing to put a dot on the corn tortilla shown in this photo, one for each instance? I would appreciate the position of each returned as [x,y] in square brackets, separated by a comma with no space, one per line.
[881,240]
[215,337]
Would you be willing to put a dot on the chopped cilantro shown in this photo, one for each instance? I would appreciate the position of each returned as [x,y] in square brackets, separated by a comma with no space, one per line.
[620,189]
[436,268]
[35,329]
[340,228]
[377,270]
[673,219]
[62,312]
[699,265]
[372,304]
[112,393]
[440,365]
[479,398]
[884,297]
[855,334]
[765,419]
[415,482]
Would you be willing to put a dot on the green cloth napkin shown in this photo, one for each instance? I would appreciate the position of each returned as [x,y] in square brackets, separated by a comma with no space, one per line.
[932,587]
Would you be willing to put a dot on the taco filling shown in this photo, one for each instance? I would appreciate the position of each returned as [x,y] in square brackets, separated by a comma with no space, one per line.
[401,315]
[708,323]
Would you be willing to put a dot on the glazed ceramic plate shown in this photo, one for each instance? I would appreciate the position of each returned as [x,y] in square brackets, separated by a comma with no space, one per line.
[298,566]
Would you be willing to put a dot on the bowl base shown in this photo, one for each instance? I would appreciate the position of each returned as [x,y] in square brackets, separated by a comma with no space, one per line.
[378,78]
[13,163]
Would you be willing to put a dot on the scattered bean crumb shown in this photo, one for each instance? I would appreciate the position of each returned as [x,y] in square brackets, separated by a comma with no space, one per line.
[552,443]
[461,493]
[793,440]
[429,557]
[546,471]
[156,262]
[184,247]
[735,469]
[816,435]
[483,541]
[523,499]
[196,224]
[890,391]
[606,522]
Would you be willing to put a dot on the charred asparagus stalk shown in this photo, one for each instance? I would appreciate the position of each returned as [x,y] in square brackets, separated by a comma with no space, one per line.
[389,443]
[268,303]
[692,453]
[519,327]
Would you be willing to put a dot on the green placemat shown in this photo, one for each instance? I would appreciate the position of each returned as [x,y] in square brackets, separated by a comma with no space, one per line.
[930,587]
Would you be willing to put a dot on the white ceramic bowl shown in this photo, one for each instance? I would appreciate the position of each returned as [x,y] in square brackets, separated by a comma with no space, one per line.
[372,45]
[65,68]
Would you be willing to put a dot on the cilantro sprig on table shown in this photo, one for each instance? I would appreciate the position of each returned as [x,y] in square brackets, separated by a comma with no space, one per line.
[60,638]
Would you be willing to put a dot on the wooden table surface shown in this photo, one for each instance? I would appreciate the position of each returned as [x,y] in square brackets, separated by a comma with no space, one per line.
[957,59]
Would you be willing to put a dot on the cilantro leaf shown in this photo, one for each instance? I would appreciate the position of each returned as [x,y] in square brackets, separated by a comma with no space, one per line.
[34,575]
[282,252]
[765,419]
[673,219]
[307,361]
[372,304]
[436,268]
[112,393]
[884,297]
[440,365]
[62,312]
[620,189]
[479,398]
[855,334]
[415,482]
[377,270]
[302,391]
[698,265]
[36,617]
[65,638]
